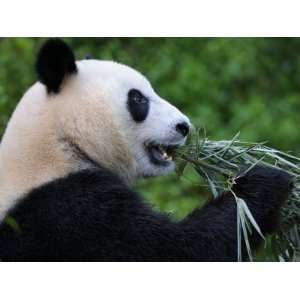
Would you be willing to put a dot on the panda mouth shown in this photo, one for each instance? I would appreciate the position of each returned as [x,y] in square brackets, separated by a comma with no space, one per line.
[160,154]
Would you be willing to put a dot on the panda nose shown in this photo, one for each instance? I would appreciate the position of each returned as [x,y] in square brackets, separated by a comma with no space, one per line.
[183,128]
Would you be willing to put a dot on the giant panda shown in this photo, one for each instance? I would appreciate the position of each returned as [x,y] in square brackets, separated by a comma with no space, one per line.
[77,141]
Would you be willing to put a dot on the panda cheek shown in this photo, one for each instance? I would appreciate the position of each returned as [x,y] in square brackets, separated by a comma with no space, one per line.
[138,111]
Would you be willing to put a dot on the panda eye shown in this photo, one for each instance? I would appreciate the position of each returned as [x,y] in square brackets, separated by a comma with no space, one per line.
[138,105]
[137,97]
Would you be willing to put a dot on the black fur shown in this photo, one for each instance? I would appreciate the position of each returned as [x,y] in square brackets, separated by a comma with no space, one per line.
[55,61]
[138,105]
[94,216]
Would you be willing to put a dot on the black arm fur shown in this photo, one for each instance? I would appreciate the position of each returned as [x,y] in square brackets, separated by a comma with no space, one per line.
[94,216]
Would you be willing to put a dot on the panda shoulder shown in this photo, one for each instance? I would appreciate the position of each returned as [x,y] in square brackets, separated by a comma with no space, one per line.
[87,191]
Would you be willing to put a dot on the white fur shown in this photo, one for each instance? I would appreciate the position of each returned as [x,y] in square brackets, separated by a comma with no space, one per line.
[90,110]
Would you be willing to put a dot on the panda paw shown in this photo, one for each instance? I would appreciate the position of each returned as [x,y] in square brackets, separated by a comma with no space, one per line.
[262,178]
[265,189]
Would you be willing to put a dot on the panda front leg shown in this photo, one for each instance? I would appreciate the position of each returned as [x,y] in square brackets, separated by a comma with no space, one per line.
[118,226]
[211,232]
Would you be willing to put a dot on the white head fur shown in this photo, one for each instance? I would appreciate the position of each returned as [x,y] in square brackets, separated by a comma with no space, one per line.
[84,124]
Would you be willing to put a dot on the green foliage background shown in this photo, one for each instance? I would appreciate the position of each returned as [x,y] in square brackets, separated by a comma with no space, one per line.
[251,85]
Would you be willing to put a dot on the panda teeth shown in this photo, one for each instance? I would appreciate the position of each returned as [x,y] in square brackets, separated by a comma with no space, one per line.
[170,158]
[164,153]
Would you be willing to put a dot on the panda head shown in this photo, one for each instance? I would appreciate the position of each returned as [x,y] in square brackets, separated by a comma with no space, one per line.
[89,113]
[111,113]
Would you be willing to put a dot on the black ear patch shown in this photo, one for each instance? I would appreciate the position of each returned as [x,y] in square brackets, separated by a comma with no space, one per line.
[55,60]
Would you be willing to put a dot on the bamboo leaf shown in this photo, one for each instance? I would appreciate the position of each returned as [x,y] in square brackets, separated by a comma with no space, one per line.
[251,219]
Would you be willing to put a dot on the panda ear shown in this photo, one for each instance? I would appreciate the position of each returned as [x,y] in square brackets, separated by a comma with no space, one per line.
[55,61]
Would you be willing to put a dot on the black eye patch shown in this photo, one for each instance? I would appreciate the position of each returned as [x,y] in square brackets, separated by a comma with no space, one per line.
[138,105]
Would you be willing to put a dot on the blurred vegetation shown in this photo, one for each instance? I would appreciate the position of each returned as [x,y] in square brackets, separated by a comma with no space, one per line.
[251,85]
